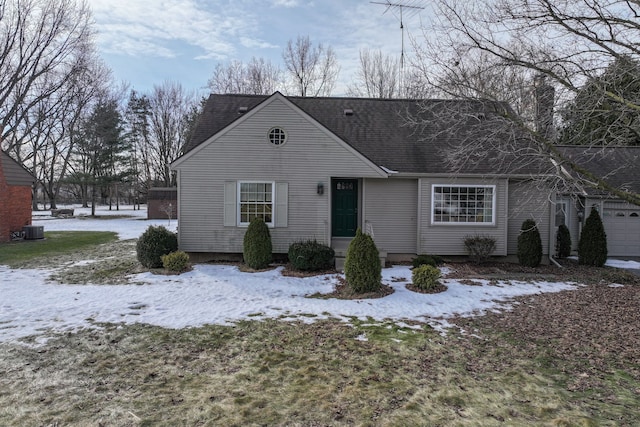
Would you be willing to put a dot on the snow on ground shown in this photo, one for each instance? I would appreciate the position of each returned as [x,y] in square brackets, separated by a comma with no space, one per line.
[221,294]
[127,228]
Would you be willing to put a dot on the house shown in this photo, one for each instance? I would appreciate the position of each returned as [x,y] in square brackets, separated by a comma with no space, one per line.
[15,197]
[620,167]
[319,168]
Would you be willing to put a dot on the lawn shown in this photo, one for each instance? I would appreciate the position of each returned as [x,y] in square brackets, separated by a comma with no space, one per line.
[570,358]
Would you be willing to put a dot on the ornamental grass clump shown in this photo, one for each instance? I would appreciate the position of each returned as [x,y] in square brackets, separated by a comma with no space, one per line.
[177,261]
[529,244]
[592,247]
[425,277]
[153,243]
[257,245]
[362,267]
[310,255]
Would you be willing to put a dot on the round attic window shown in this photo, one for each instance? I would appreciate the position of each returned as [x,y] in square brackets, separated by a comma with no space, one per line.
[277,136]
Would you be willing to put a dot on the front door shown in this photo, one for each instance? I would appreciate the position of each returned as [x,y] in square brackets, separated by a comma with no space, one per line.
[345,207]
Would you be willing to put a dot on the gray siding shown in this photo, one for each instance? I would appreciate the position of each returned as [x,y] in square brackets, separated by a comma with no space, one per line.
[526,201]
[243,152]
[448,239]
[391,209]
[14,173]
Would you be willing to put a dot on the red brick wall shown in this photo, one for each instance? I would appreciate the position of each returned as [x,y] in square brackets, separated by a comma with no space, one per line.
[15,207]
[4,209]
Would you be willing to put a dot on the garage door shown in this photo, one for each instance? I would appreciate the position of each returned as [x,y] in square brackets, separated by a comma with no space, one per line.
[622,224]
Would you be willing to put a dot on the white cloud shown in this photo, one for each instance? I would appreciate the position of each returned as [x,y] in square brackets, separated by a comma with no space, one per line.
[285,3]
[149,28]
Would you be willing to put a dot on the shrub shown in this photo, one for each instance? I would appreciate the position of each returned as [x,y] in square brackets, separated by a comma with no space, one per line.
[310,255]
[480,248]
[529,244]
[175,261]
[433,260]
[592,247]
[362,267]
[153,243]
[563,242]
[257,245]
[425,277]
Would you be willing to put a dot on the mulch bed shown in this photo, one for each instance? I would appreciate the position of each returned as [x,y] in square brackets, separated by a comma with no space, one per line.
[593,328]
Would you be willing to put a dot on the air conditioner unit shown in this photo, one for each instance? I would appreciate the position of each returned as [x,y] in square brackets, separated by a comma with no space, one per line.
[33,232]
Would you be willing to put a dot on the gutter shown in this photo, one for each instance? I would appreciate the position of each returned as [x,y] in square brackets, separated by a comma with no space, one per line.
[554,262]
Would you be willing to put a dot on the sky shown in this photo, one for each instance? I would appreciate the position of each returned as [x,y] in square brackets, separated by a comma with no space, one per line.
[32,305]
[147,42]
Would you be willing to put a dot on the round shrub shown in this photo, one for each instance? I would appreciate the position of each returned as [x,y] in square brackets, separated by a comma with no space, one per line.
[425,277]
[362,268]
[257,245]
[592,247]
[479,248]
[563,242]
[310,255]
[175,261]
[529,244]
[153,243]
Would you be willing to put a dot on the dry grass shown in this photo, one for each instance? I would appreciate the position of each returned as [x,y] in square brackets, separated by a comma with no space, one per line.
[566,359]
[326,373]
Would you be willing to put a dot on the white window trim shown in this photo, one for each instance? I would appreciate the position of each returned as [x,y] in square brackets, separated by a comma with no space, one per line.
[464,224]
[239,202]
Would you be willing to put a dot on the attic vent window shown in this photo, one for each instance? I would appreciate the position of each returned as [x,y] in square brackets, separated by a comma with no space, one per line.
[277,136]
[242,110]
[348,112]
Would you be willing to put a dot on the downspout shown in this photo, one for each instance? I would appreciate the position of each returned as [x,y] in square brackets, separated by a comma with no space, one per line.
[554,262]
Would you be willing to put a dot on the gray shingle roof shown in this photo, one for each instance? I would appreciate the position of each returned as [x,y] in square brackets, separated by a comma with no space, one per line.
[619,166]
[379,130]
[14,173]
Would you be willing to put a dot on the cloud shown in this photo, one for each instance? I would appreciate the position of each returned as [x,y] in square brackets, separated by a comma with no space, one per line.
[148,28]
[285,3]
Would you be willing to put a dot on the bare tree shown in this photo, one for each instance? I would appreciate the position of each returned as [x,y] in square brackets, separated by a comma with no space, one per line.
[41,42]
[169,107]
[561,45]
[377,76]
[312,69]
[258,77]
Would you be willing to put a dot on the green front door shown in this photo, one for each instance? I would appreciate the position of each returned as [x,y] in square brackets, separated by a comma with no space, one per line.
[345,207]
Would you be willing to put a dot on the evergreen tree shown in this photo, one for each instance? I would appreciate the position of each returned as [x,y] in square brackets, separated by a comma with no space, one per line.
[592,247]
[362,268]
[257,245]
[529,244]
[595,119]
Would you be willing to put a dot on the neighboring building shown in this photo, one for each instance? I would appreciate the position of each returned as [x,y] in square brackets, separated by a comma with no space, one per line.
[15,197]
[162,203]
[318,168]
[620,167]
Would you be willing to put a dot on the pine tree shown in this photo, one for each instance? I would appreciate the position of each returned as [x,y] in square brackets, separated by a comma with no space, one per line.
[592,248]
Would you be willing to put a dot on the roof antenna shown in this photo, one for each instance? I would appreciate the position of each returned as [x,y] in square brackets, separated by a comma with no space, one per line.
[413,7]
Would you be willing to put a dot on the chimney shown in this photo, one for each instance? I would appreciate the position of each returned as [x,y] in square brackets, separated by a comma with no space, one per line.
[544,94]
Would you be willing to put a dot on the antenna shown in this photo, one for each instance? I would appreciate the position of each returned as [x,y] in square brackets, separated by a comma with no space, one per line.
[412,7]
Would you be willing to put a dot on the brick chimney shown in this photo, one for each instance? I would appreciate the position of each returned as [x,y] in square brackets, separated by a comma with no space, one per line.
[545,94]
